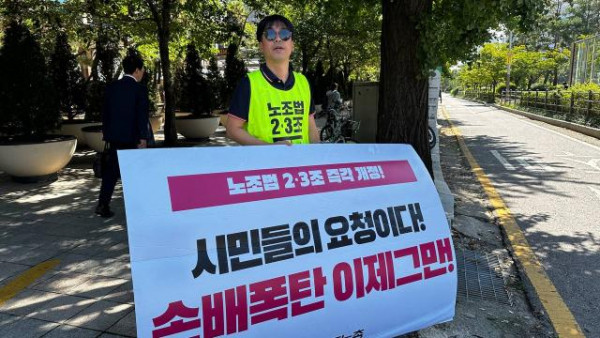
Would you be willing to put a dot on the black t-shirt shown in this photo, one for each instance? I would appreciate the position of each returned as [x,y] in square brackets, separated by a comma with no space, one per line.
[240,101]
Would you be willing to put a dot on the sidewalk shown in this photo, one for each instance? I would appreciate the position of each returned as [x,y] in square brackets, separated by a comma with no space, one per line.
[89,293]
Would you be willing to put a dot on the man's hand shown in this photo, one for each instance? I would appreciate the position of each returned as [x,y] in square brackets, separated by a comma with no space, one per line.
[143,144]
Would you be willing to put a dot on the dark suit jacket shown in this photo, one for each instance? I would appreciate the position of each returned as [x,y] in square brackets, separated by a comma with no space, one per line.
[125,112]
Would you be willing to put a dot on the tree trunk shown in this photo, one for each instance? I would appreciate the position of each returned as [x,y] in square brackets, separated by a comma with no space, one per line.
[403,87]
[170,131]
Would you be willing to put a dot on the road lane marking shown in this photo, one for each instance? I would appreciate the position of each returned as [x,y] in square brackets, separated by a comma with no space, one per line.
[502,160]
[568,154]
[593,163]
[596,191]
[19,283]
[525,164]
[560,316]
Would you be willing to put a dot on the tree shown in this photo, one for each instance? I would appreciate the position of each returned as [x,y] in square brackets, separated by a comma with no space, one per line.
[105,69]
[196,96]
[235,69]
[28,105]
[168,16]
[215,83]
[66,77]
[342,35]
[162,14]
[417,36]
[493,58]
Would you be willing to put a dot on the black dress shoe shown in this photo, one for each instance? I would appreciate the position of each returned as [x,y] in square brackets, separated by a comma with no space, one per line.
[104,211]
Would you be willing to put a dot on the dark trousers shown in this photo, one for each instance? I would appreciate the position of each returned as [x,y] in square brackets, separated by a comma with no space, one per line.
[111,172]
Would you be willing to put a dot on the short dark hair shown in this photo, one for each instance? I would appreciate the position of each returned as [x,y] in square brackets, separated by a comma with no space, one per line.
[268,21]
[333,86]
[132,61]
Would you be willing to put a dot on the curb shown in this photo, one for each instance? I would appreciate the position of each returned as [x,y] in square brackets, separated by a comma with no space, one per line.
[589,131]
[446,196]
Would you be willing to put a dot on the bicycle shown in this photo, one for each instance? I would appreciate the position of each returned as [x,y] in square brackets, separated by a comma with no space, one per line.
[431,137]
[339,128]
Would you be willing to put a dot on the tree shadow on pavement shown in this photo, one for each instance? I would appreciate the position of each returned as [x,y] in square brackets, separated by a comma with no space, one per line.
[570,257]
[90,288]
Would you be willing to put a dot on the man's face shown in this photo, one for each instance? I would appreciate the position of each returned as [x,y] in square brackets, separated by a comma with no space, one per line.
[276,50]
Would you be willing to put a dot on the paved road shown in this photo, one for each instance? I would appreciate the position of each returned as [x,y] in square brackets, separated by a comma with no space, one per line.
[550,179]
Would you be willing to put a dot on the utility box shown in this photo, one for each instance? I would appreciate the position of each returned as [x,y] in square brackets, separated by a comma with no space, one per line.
[365,101]
[365,104]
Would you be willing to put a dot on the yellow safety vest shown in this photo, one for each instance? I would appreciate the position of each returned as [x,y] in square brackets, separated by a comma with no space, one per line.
[278,115]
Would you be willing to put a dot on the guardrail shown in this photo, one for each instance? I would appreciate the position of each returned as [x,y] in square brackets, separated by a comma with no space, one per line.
[572,106]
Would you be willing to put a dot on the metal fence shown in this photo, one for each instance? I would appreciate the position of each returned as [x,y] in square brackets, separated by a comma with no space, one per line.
[582,106]
[585,61]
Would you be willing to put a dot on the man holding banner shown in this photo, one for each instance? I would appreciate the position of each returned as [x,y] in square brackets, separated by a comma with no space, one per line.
[274,103]
[324,241]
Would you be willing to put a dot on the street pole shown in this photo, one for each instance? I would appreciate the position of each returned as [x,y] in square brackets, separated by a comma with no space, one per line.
[509,57]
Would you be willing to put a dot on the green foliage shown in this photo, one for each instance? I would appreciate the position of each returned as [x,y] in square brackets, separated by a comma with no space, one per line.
[105,69]
[502,87]
[66,77]
[148,80]
[215,84]
[178,80]
[527,66]
[454,91]
[343,36]
[452,29]
[28,104]
[235,70]
[539,87]
[94,99]
[585,87]
[196,97]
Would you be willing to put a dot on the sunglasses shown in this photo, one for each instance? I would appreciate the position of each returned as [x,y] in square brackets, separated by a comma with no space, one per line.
[284,34]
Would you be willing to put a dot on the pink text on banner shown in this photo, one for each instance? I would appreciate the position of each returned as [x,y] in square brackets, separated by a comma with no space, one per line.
[215,189]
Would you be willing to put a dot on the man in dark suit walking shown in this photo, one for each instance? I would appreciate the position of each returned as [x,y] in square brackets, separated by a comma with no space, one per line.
[125,124]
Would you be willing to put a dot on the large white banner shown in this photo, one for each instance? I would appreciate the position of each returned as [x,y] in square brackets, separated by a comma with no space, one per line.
[286,241]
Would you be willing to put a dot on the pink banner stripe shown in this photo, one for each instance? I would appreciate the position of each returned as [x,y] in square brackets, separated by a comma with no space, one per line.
[215,189]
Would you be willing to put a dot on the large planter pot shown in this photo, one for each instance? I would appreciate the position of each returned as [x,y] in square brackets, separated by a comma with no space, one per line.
[179,114]
[156,122]
[223,119]
[73,127]
[196,127]
[93,137]
[28,159]
[222,114]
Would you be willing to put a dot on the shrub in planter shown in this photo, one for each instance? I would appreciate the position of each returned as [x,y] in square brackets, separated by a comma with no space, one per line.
[215,83]
[28,109]
[70,87]
[235,70]
[197,98]
[28,103]
[156,116]
[104,70]
[66,78]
